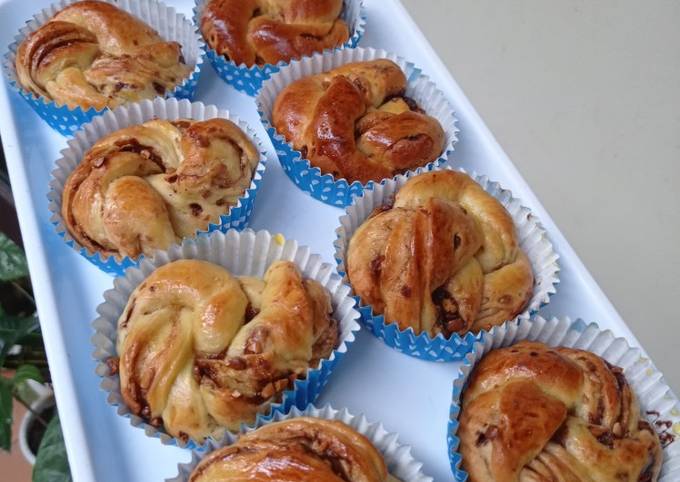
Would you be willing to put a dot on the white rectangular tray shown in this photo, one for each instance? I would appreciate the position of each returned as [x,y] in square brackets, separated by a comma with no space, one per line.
[409,396]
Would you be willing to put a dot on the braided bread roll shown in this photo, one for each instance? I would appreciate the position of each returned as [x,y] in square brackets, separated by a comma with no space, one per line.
[144,187]
[93,54]
[355,122]
[532,413]
[300,449]
[444,258]
[201,350]
[258,32]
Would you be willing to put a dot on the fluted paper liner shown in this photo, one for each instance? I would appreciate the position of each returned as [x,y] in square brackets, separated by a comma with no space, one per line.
[242,253]
[325,187]
[644,378]
[170,25]
[137,113]
[533,240]
[400,463]
[249,79]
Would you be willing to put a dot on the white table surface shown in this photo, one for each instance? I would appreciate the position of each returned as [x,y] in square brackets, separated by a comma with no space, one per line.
[585,99]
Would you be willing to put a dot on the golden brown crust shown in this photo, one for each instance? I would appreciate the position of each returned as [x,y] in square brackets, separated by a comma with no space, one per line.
[302,448]
[201,350]
[143,187]
[443,259]
[257,32]
[535,413]
[93,54]
[354,122]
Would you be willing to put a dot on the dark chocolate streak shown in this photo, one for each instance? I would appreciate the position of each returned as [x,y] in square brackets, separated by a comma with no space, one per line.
[45,50]
[133,145]
[410,102]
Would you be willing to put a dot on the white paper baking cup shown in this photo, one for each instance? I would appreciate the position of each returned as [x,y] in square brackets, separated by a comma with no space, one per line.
[243,253]
[400,463]
[657,401]
[249,79]
[170,25]
[325,187]
[533,240]
[137,113]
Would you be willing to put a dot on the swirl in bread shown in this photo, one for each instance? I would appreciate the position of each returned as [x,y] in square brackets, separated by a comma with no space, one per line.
[356,122]
[445,258]
[145,187]
[92,54]
[300,449]
[257,32]
[532,413]
[200,350]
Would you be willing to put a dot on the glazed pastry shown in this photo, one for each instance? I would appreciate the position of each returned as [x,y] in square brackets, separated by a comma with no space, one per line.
[145,187]
[93,54]
[535,413]
[355,122]
[444,258]
[302,449]
[258,32]
[201,350]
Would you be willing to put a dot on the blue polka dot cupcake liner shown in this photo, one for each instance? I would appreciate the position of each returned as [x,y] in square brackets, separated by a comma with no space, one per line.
[169,24]
[243,253]
[137,113]
[249,79]
[325,187]
[533,240]
[656,398]
[398,458]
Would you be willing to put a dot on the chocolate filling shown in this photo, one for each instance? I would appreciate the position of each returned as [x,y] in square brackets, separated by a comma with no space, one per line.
[45,49]
[596,418]
[159,88]
[113,364]
[448,316]
[648,472]
[607,439]
[410,102]
[376,266]
[489,434]
[310,36]
[250,313]
[118,86]
[196,209]
[133,145]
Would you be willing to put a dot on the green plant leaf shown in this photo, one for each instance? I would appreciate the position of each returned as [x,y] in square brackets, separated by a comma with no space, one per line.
[27,372]
[5,414]
[51,463]
[12,260]
[12,330]
[22,390]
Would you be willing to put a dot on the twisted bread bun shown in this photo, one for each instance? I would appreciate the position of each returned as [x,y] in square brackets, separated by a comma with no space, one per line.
[444,259]
[355,122]
[93,54]
[535,413]
[301,449]
[144,187]
[201,350]
[258,32]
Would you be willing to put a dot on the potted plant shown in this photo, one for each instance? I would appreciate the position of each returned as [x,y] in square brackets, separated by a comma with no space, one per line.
[24,372]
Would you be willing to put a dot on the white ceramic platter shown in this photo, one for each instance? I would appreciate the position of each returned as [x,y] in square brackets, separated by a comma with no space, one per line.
[409,396]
